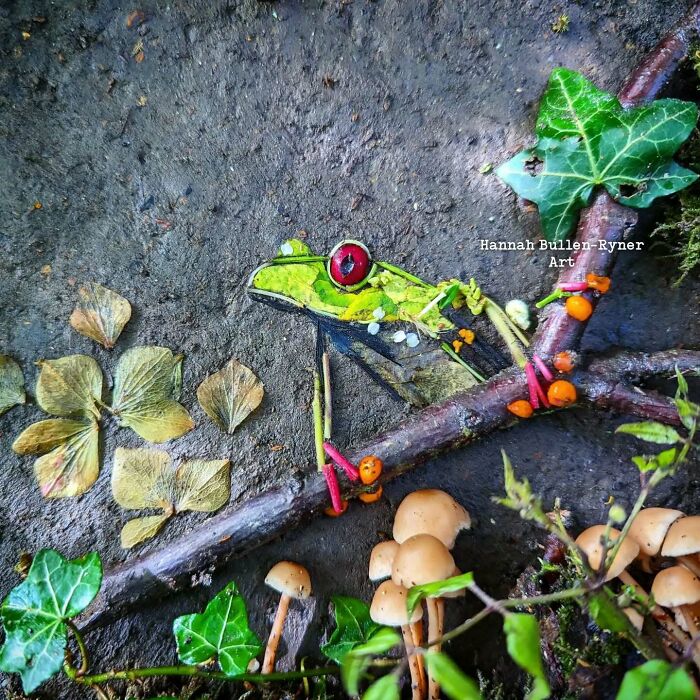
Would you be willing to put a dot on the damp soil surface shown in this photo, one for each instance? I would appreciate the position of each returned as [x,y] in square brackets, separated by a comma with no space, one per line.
[171,157]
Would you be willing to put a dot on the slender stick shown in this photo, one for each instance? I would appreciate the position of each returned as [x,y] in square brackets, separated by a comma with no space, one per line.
[318,423]
[327,397]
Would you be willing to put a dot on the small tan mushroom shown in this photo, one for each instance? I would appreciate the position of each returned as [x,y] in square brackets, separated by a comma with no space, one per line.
[389,607]
[683,542]
[292,581]
[382,560]
[432,511]
[678,588]
[425,559]
[649,529]
[590,543]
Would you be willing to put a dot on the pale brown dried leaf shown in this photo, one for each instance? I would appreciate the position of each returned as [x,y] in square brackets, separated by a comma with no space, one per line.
[100,314]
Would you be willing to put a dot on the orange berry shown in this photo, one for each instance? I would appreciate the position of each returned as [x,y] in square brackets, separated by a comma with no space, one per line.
[370,469]
[579,308]
[561,393]
[371,496]
[333,513]
[600,284]
[521,408]
[563,361]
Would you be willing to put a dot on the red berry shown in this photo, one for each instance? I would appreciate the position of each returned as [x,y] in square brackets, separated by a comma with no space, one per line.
[350,264]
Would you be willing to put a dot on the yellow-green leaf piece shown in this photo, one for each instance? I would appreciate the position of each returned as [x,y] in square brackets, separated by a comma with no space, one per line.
[11,384]
[230,395]
[147,384]
[100,314]
[70,386]
[146,478]
[141,529]
[70,460]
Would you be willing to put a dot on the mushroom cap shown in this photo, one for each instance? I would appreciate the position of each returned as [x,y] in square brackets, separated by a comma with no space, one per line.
[589,542]
[683,537]
[422,559]
[650,527]
[382,559]
[676,586]
[289,578]
[389,606]
[432,511]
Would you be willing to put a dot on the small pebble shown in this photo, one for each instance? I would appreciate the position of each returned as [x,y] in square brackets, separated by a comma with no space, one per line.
[373,328]
[379,313]
[412,340]
[399,337]
[286,248]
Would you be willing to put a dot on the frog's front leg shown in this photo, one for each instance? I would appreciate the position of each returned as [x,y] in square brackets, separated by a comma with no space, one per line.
[323,422]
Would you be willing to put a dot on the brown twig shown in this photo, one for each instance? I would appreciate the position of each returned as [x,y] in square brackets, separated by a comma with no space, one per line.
[457,421]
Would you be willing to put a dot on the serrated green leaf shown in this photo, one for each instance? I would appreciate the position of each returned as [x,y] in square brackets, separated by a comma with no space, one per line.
[682,390]
[606,614]
[455,684]
[437,589]
[11,384]
[100,314]
[656,680]
[35,613]
[69,386]
[651,431]
[230,395]
[353,626]
[523,643]
[688,412]
[356,662]
[221,632]
[586,140]
[145,391]
[146,478]
[386,688]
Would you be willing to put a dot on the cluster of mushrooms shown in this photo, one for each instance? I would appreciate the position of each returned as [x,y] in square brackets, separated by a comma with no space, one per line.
[666,543]
[425,529]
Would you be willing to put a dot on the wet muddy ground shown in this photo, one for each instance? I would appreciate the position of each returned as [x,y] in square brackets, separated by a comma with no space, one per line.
[169,178]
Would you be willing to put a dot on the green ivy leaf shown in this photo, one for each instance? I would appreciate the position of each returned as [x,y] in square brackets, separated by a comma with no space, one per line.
[69,386]
[651,431]
[656,680]
[606,614]
[353,626]
[523,644]
[586,139]
[355,662]
[35,613]
[386,688]
[146,388]
[455,684]
[221,632]
[437,589]
[11,384]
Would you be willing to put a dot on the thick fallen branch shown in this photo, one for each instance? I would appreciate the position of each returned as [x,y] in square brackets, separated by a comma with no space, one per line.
[461,419]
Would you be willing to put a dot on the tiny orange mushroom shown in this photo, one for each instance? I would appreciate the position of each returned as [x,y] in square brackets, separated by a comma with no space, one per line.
[521,408]
[579,308]
[600,284]
[561,393]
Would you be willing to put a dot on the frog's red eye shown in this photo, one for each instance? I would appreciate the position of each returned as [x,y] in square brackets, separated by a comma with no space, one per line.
[349,263]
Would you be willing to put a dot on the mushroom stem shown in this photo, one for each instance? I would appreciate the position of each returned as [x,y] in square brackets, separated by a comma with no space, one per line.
[658,613]
[689,618]
[416,691]
[690,562]
[275,634]
[417,633]
[436,611]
